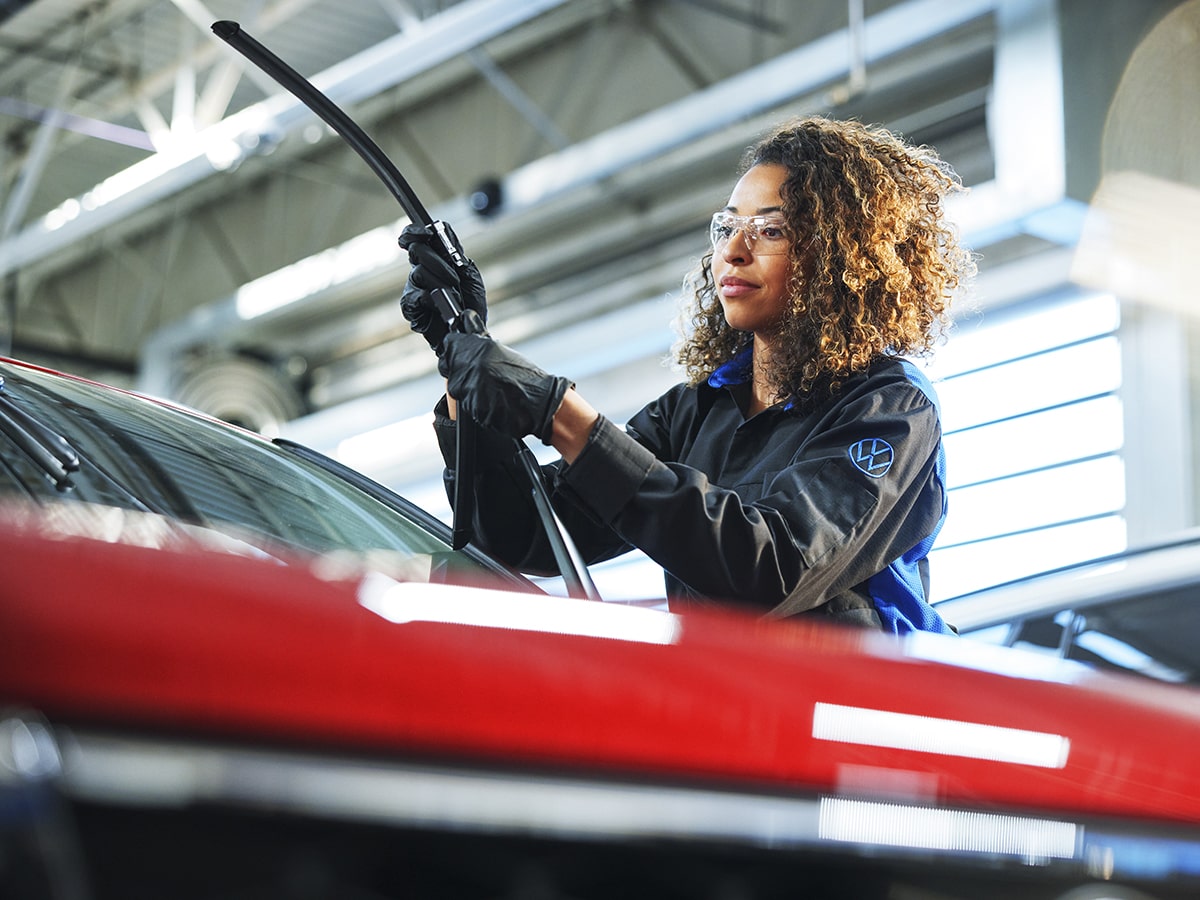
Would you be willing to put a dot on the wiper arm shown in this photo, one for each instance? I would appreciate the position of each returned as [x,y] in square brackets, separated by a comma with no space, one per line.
[48,449]
[52,452]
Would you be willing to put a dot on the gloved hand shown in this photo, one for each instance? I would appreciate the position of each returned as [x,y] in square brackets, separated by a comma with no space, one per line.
[500,389]
[431,270]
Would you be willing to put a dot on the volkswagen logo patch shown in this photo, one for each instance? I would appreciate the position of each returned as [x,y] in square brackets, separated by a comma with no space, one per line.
[873,456]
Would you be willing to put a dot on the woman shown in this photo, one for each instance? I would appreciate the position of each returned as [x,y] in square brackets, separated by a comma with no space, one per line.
[799,470]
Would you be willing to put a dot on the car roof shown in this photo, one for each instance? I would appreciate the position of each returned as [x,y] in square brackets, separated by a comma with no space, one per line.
[1158,567]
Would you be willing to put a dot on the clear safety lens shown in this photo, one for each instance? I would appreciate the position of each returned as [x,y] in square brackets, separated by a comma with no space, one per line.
[763,234]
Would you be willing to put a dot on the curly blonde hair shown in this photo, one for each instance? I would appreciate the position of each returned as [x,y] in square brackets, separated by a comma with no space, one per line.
[873,262]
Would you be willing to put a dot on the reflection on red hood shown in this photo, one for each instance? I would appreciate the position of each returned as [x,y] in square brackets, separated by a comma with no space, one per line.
[152,628]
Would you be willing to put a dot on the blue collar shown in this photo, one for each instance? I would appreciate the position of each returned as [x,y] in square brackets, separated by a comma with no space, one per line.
[737,371]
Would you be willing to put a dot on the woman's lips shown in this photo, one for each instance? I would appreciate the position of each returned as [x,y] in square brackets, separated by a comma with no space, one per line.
[732,287]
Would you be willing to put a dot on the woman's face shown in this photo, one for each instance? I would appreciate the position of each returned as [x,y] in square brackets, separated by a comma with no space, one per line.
[753,285]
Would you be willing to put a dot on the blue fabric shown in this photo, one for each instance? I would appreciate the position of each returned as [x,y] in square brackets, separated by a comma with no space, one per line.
[898,591]
[737,371]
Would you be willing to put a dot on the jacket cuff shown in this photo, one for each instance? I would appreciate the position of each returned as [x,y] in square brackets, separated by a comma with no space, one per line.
[446,431]
[491,447]
[609,470]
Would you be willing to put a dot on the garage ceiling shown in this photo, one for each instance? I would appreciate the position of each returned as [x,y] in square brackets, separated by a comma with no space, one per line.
[173,218]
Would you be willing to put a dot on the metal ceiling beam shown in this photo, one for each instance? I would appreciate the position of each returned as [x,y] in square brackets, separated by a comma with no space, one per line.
[58,46]
[517,98]
[111,96]
[568,175]
[754,91]
[94,128]
[443,37]
[198,14]
[35,162]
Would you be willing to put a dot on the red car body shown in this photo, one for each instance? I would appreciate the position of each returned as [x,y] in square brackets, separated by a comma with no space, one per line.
[353,696]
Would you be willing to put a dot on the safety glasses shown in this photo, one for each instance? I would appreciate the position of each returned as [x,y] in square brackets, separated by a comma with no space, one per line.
[766,235]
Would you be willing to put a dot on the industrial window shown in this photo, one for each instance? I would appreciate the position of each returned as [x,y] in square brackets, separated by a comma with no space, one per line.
[1033,435]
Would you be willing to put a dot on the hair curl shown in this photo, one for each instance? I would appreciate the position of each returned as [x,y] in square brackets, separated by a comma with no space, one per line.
[873,262]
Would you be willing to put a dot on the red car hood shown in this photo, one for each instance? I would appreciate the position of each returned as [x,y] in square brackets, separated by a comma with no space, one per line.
[160,633]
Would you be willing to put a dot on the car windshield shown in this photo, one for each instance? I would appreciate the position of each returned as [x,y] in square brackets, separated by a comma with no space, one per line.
[137,454]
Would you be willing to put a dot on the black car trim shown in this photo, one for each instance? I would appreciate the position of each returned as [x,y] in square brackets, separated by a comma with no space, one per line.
[160,773]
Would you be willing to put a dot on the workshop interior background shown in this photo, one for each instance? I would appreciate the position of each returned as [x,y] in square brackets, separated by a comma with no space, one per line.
[174,221]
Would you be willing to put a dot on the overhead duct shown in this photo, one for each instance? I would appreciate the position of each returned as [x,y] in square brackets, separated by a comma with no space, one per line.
[442,37]
[555,188]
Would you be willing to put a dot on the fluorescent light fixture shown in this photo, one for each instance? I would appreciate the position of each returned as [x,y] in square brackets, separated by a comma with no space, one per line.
[365,253]
[405,602]
[224,155]
[62,214]
[948,737]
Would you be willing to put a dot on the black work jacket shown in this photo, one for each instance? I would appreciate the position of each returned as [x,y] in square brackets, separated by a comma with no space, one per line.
[824,506]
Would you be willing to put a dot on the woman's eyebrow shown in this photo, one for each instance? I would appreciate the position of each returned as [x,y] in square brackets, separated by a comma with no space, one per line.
[762,210]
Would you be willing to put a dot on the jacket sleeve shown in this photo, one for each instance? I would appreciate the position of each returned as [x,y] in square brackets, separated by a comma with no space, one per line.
[506,523]
[829,519]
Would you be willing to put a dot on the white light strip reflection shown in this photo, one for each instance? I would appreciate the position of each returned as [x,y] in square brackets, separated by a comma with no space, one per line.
[921,828]
[949,737]
[145,773]
[403,602]
[110,769]
[981,657]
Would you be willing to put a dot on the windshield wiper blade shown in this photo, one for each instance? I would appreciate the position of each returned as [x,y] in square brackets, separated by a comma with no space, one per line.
[572,568]
[45,447]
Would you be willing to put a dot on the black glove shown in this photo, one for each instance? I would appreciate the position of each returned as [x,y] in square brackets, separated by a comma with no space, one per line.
[500,389]
[431,270]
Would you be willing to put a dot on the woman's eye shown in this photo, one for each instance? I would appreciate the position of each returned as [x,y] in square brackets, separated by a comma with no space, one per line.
[772,232]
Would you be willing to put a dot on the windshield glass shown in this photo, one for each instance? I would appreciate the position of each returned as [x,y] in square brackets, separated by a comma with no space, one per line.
[136,454]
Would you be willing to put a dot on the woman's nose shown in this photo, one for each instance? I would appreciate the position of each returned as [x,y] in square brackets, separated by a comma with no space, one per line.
[737,248]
